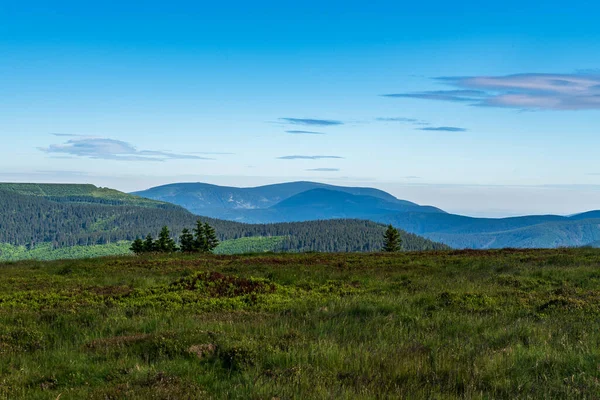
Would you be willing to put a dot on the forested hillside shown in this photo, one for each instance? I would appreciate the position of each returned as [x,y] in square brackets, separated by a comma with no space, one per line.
[28,220]
[80,193]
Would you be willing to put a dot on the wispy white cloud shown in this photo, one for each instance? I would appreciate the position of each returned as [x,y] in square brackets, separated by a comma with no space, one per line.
[412,121]
[323,169]
[110,149]
[443,129]
[296,157]
[530,91]
[294,132]
[311,121]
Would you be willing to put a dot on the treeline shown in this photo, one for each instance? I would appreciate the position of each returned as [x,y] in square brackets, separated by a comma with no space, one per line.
[29,220]
[202,239]
[104,201]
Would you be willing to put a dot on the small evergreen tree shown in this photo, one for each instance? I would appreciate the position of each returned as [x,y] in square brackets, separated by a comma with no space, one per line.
[391,239]
[137,246]
[211,240]
[200,244]
[165,244]
[187,241]
[149,245]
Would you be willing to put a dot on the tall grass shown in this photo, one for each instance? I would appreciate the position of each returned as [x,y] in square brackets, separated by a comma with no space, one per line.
[465,324]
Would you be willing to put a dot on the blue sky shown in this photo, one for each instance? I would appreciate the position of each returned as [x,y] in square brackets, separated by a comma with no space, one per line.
[483,109]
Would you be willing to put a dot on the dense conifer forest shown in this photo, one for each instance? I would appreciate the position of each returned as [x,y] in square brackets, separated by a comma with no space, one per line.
[30,219]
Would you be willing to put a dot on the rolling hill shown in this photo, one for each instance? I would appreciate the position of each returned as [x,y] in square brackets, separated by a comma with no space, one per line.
[304,201]
[80,193]
[241,204]
[78,215]
[542,231]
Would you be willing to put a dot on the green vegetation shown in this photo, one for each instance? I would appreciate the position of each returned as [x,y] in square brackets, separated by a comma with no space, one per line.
[28,220]
[202,240]
[391,240]
[80,193]
[45,251]
[249,245]
[449,325]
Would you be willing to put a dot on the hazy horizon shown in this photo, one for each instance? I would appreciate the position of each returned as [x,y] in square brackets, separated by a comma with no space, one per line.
[491,200]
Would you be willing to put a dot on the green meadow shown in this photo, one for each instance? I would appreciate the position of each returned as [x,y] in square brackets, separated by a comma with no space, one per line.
[45,251]
[499,324]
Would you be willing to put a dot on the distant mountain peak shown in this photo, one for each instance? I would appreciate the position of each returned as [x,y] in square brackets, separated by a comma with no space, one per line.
[262,204]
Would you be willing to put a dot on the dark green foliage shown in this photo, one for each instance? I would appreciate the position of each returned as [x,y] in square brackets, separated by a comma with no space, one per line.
[34,220]
[210,238]
[200,244]
[391,240]
[164,243]
[204,239]
[137,246]
[149,244]
[186,239]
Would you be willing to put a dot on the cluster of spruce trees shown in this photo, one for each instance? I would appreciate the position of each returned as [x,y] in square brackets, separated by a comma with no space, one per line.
[202,239]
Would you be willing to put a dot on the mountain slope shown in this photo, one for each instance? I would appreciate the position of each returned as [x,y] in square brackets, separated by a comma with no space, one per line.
[316,201]
[33,219]
[547,235]
[80,193]
[326,203]
[542,231]
[259,204]
[425,223]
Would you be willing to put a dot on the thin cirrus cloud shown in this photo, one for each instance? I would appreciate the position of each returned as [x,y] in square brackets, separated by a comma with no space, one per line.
[308,157]
[412,121]
[323,169]
[311,121]
[218,153]
[397,119]
[443,129]
[110,149]
[293,132]
[528,91]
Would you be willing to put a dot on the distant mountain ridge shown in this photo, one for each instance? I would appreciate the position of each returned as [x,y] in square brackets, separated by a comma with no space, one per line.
[303,201]
[198,196]
[264,204]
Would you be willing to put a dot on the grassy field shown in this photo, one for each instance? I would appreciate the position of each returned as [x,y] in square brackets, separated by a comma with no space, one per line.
[246,245]
[46,252]
[442,325]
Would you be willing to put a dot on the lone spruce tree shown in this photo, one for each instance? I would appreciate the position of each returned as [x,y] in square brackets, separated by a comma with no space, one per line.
[391,240]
